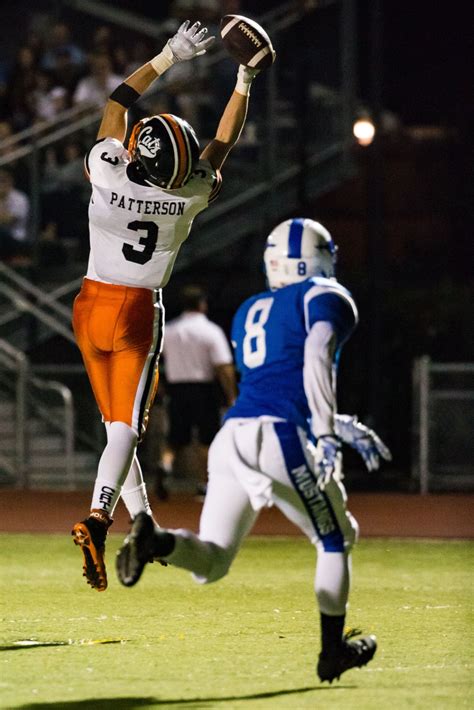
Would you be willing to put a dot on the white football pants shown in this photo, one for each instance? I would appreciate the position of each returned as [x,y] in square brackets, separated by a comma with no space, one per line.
[256,463]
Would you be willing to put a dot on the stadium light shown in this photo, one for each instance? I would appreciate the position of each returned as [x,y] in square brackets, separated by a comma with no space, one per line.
[364,131]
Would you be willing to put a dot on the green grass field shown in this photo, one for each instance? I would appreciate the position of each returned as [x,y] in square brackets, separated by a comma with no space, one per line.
[249,641]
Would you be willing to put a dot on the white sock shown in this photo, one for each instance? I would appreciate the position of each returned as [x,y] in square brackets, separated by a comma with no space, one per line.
[114,466]
[332,582]
[134,493]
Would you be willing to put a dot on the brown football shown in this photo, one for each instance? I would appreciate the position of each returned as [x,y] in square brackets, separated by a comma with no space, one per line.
[247,42]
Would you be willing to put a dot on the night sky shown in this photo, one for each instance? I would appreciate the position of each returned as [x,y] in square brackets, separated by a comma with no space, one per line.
[428,60]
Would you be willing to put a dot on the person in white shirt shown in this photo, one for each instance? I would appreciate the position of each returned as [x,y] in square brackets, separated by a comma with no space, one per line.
[95,88]
[143,204]
[14,213]
[196,354]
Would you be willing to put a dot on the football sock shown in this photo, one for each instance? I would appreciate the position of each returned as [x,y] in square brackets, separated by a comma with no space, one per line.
[332,582]
[136,500]
[332,628]
[105,496]
[134,493]
[114,466]
[191,553]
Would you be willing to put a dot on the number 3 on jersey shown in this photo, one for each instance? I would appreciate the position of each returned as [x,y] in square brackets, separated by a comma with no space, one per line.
[254,344]
[141,256]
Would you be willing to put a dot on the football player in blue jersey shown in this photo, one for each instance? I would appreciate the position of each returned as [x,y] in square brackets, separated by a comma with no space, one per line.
[281,441]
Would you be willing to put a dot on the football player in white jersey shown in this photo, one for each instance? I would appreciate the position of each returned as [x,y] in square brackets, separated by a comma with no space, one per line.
[144,199]
[281,442]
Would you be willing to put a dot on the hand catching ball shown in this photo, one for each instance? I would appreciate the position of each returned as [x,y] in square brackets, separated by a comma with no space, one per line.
[247,42]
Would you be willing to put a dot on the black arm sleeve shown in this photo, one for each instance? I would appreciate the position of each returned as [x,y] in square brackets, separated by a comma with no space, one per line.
[124,95]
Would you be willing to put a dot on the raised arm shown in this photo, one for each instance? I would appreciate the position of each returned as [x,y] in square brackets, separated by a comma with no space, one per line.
[187,43]
[232,121]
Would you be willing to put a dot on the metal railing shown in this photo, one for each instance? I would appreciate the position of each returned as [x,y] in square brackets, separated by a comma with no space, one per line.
[443,420]
[14,360]
[146,26]
[26,297]
[67,425]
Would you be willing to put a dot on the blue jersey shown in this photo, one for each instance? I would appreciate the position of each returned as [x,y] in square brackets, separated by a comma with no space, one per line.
[269,332]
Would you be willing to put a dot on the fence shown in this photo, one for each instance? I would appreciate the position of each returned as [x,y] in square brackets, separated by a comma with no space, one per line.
[28,400]
[443,417]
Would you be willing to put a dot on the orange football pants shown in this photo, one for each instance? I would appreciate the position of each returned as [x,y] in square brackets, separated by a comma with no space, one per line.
[119,331]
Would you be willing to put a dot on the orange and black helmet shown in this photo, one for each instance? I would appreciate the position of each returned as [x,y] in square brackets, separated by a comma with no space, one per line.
[167,149]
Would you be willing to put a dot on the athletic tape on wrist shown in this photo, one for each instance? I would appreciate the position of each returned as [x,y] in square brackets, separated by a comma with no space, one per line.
[163,60]
[242,86]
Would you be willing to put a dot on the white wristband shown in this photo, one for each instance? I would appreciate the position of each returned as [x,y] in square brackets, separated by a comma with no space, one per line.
[163,60]
[244,81]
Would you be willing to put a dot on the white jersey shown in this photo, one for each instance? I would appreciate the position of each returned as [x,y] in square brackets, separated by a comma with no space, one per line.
[136,230]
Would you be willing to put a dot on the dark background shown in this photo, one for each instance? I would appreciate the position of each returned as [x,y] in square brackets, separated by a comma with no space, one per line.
[412,272]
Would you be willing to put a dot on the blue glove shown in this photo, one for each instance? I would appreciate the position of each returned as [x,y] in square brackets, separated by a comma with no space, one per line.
[327,458]
[364,440]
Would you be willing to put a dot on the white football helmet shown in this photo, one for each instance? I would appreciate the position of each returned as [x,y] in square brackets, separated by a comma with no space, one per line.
[296,250]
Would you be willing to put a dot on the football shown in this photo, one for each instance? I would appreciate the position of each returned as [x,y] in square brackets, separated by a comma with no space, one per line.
[247,42]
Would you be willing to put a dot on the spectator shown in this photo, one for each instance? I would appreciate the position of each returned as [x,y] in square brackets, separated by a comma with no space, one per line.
[14,210]
[102,40]
[96,88]
[48,101]
[65,194]
[60,44]
[119,60]
[20,91]
[140,52]
[66,73]
[69,175]
[196,352]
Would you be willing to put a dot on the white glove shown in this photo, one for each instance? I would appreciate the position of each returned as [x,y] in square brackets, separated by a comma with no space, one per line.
[185,44]
[189,42]
[245,76]
[327,459]
[364,440]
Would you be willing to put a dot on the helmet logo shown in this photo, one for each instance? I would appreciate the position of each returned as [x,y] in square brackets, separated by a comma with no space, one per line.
[148,145]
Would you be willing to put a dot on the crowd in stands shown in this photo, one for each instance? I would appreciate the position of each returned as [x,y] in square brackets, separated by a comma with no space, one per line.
[55,68]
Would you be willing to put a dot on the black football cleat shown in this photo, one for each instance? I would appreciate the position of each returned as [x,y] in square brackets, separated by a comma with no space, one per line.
[136,551]
[352,654]
[144,543]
